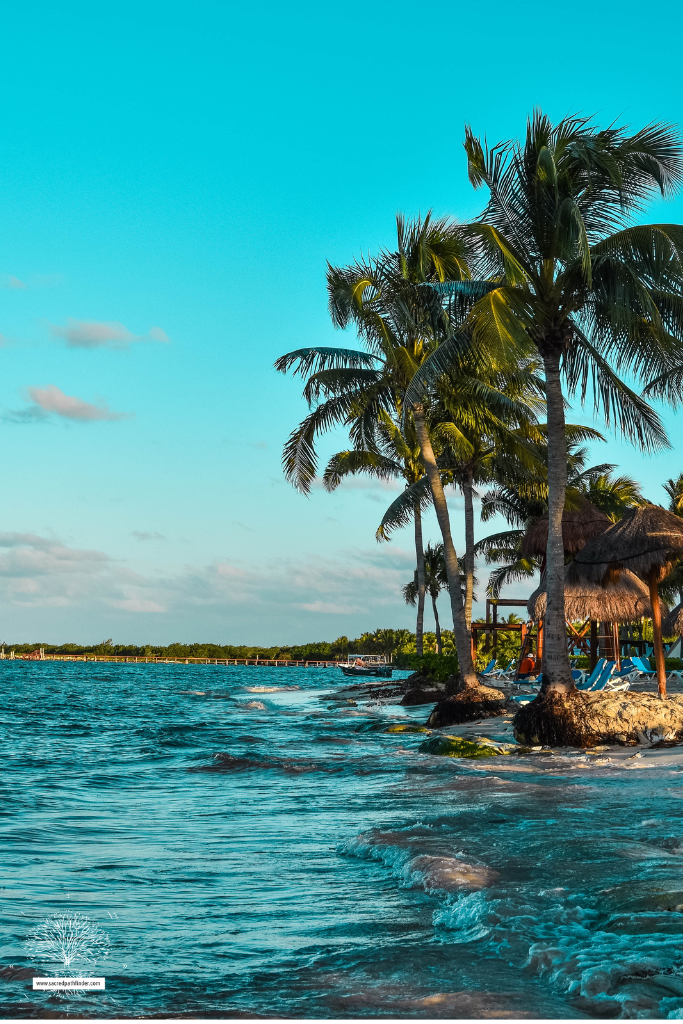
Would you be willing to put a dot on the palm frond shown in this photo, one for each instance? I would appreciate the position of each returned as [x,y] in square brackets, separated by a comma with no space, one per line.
[401,511]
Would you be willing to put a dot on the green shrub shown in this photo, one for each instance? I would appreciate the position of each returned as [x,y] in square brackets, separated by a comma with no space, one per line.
[438,666]
[670,664]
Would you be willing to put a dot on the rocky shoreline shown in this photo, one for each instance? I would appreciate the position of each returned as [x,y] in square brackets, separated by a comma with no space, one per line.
[582,720]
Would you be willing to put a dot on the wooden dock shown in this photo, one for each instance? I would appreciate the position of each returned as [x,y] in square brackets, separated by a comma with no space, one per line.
[122,659]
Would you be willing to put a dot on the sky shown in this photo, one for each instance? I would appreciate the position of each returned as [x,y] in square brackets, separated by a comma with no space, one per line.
[173,179]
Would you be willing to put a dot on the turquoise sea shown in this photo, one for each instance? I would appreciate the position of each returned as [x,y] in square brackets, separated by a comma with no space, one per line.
[277,853]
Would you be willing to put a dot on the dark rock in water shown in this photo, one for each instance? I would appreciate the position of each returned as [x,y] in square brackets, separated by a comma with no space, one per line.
[423,695]
[428,690]
[469,704]
[592,719]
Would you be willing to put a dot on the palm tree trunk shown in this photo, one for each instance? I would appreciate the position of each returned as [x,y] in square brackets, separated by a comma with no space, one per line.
[657,634]
[463,641]
[467,490]
[559,671]
[438,627]
[420,557]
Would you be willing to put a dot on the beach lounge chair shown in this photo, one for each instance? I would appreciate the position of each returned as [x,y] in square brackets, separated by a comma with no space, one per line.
[642,668]
[608,681]
[627,671]
[490,669]
[589,682]
[503,673]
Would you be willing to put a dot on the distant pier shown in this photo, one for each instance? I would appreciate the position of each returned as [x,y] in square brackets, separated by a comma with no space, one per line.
[130,659]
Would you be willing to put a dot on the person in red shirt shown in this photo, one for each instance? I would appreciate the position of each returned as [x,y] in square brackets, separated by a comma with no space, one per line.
[528,666]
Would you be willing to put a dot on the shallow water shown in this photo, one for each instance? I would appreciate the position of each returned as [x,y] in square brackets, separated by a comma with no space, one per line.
[275,852]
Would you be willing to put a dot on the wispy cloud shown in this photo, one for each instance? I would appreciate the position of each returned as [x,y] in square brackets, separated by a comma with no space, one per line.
[142,535]
[102,334]
[33,281]
[52,399]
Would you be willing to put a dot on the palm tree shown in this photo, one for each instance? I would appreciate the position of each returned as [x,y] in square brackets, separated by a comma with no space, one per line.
[395,454]
[436,580]
[474,444]
[673,584]
[400,322]
[560,265]
[674,488]
[522,506]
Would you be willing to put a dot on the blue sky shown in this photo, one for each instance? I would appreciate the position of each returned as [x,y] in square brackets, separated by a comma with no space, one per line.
[186,170]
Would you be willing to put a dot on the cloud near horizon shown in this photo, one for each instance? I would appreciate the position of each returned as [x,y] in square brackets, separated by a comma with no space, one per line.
[220,601]
[103,334]
[52,399]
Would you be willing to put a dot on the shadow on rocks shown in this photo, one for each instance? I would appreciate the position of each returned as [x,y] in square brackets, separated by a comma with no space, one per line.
[428,690]
[468,704]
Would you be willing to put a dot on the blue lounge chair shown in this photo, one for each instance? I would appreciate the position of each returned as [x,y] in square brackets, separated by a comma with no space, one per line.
[502,673]
[608,680]
[490,669]
[643,668]
[589,682]
[627,671]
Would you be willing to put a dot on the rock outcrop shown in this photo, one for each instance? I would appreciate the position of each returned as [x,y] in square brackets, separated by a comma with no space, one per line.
[592,719]
[455,746]
[427,690]
[469,704]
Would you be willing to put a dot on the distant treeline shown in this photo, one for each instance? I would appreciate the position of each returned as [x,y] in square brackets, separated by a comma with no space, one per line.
[392,643]
[383,641]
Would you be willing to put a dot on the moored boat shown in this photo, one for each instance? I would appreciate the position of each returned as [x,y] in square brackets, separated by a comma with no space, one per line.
[370,665]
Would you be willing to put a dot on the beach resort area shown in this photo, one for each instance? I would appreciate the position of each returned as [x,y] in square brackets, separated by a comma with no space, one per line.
[342,394]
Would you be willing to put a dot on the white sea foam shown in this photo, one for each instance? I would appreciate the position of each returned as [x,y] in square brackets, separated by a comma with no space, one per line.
[270,689]
[401,853]
[471,917]
[604,969]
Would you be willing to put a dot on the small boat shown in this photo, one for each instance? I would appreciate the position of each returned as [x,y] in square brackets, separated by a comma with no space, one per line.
[369,665]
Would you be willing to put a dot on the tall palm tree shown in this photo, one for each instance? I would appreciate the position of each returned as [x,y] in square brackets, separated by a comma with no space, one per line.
[436,580]
[568,271]
[395,454]
[400,322]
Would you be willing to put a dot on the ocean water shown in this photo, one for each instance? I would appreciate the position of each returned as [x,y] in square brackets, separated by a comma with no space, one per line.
[278,853]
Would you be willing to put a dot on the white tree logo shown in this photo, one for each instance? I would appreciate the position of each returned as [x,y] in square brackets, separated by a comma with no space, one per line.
[68,939]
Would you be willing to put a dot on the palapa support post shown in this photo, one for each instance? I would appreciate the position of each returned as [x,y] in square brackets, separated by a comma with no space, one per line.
[594,644]
[657,633]
[495,631]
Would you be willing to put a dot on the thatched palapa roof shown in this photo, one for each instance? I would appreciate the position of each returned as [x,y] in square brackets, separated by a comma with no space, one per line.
[578,527]
[627,600]
[647,538]
[673,623]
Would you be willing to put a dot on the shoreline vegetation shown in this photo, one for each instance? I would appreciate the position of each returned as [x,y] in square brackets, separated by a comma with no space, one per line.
[395,644]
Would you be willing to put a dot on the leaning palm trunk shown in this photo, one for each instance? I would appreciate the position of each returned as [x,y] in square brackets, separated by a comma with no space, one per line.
[556,656]
[463,643]
[419,554]
[439,645]
[467,490]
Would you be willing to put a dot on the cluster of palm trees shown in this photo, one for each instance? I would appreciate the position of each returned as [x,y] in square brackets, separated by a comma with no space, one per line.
[473,336]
